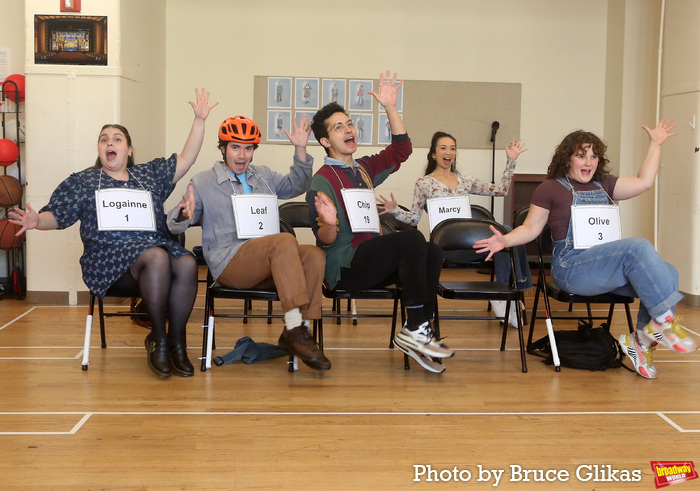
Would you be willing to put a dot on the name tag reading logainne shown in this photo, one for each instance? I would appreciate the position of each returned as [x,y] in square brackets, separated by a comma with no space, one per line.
[124,209]
[440,209]
[256,215]
[595,224]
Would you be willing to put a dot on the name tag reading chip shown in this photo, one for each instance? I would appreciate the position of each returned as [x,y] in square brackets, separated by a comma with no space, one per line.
[361,205]
[124,209]
[256,215]
[440,209]
[595,224]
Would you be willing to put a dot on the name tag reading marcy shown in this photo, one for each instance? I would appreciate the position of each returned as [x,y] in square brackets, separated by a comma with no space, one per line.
[595,224]
[124,209]
[256,215]
[440,209]
[361,206]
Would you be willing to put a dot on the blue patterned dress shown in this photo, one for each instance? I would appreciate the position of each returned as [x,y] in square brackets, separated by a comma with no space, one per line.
[108,255]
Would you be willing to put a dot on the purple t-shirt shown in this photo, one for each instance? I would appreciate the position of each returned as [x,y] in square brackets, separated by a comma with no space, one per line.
[552,196]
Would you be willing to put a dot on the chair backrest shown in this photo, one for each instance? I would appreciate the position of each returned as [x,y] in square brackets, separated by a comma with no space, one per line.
[456,238]
[397,224]
[296,213]
[520,216]
[387,227]
[286,227]
[481,213]
[545,242]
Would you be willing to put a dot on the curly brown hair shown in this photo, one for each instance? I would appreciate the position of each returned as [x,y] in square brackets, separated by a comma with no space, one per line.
[571,144]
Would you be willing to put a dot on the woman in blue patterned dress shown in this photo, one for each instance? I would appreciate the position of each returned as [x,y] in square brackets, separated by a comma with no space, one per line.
[125,238]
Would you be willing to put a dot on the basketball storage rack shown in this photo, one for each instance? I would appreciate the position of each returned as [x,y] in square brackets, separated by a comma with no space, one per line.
[13,285]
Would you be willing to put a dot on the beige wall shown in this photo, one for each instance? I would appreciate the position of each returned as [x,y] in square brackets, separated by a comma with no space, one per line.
[591,68]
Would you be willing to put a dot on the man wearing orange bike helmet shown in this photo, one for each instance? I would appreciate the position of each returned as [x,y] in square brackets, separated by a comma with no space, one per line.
[242,247]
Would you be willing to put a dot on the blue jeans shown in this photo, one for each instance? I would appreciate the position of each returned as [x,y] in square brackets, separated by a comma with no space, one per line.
[501,265]
[629,267]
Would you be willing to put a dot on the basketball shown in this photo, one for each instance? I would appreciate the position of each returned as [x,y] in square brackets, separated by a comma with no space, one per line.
[9,88]
[10,191]
[9,152]
[7,235]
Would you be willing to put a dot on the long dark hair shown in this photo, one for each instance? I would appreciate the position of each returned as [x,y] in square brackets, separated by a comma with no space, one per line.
[571,144]
[432,163]
[130,160]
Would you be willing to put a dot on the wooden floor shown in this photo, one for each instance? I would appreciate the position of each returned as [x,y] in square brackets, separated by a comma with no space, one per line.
[366,424]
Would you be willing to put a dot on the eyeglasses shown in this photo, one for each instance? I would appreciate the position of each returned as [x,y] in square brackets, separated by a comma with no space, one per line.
[340,126]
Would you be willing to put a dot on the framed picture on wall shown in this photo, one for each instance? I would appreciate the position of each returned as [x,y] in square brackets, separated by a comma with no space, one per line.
[363,127]
[358,97]
[333,91]
[279,92]
[306,93]
[70,5]
[70,39]
[277,122]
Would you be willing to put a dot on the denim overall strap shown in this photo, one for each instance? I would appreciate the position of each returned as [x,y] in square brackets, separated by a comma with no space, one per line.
[594,197]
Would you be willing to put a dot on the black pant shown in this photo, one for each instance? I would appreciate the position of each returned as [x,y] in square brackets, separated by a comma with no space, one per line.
[405,257]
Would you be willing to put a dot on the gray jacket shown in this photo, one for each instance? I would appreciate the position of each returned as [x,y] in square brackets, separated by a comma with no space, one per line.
[213,210]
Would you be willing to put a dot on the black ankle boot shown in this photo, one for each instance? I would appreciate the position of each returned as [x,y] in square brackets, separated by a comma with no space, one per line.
[179,361]
[158,358]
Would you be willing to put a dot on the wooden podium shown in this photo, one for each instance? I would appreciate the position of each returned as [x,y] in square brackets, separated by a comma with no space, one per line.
[518,197]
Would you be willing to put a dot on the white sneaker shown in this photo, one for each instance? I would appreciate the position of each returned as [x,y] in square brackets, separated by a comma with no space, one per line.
[499,310]
[431,364]
[423,341]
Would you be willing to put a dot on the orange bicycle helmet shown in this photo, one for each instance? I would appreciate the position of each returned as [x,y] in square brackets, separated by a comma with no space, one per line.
[239,129]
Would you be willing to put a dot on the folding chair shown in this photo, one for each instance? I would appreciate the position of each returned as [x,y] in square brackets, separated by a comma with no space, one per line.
[457,236]
[215,290]
[111,292]
[549,289]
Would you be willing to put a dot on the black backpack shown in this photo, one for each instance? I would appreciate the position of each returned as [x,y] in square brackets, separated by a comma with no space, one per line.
[587,348]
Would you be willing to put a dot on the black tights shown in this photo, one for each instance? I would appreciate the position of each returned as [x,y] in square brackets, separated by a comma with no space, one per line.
[167,284]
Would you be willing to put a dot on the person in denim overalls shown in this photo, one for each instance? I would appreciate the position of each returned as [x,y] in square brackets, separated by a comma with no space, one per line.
[578,175]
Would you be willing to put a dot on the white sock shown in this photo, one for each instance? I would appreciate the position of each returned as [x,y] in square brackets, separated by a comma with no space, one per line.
[642,340]
[292,319]
[662,319]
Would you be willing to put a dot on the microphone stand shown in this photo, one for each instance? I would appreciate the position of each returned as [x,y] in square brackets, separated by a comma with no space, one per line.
[493,168]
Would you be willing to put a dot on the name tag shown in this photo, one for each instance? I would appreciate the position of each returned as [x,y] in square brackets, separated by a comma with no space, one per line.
[440,209]
[595,224]
[361,206]
[124,209]
[256,215]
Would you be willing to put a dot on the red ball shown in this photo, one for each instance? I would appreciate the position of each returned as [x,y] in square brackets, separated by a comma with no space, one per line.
[10,89]
[7,235]
[9,152]
[10,191]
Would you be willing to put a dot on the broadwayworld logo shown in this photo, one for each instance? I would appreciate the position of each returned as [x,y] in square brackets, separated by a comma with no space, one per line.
[667,473]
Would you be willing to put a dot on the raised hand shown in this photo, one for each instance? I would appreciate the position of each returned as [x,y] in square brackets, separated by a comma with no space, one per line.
[388,90]
[300,137]
[662,131]
[29,220]
[386,205]
[202,107]
[325,209]
[514,149]
[188,203]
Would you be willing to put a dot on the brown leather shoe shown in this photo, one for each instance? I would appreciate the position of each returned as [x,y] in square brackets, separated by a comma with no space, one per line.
[180,362]
[299,342]
[158,358]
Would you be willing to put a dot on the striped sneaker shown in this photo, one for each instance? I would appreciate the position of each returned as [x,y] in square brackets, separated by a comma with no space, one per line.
[423,341]
[642,357]
[671,334]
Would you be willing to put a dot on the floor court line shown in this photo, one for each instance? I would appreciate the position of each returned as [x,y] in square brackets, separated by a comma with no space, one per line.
[87,415]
